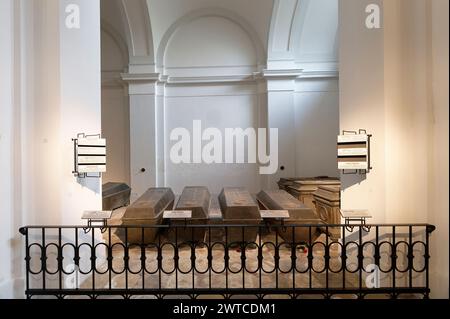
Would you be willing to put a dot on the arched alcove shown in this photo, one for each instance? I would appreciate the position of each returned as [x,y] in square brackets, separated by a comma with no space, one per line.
[209,41]
[208,31]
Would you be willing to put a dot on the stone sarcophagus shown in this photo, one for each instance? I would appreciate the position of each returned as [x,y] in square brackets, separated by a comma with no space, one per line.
[197,200]
[327,201]
[299,214]
[115,195]
[304,188]
[147,210]
[239,208]
[215,233]
[285,182]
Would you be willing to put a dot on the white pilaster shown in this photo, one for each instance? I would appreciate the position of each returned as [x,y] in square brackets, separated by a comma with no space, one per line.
[281,115]
[144,131]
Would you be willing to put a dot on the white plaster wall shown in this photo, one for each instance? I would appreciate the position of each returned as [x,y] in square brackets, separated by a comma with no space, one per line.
[52,92]
[416,54]
[6,145]
[112,58]
[210,41]
[316,127]
[112,14]
[115,109]
[361,103]
[217,110]
[64,99]
[41,117]
[405,68]
[116,130]
[280,115]
[79,104]
[208,47]
[439,207]
[416,88]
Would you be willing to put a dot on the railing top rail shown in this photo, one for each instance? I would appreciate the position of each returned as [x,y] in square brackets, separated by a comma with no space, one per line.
[430,228]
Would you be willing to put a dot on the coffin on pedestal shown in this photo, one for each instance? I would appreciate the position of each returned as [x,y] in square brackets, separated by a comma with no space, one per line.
[304,188]
[327,201]
[115,195]
[147,210]
[239,208]
[299,214]
[197,200]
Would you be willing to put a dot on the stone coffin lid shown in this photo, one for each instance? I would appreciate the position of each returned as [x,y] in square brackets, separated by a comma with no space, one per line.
[151,204]
[111,188]
[311,184]
[214,208]
[196,199]
[329,193]
[287,180]
[280,199]
[237,203]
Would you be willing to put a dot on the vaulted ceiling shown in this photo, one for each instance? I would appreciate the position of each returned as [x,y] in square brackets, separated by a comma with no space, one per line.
[274,34]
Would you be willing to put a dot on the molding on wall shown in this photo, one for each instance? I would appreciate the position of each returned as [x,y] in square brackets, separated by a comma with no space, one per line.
[319,74]
[210,66]
[208,79]
[140,77]
[111,78]
[281,73]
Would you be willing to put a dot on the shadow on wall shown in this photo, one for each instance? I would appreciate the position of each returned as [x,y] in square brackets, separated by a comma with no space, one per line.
[348,180]
[93,184]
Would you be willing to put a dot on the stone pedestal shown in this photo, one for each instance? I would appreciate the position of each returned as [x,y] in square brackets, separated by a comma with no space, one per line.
[327,202]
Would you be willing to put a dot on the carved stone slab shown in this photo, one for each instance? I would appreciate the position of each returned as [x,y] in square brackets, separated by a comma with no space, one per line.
[268,214]
[177,214]
[355,213]
[195,199]
[96,214]
[237,203]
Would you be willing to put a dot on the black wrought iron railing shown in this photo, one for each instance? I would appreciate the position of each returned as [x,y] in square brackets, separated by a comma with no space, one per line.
[229,261]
